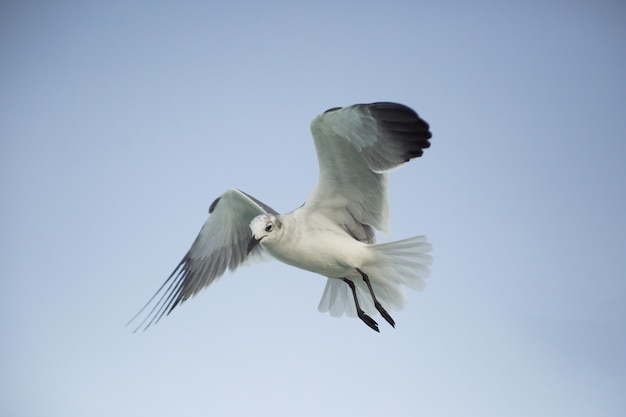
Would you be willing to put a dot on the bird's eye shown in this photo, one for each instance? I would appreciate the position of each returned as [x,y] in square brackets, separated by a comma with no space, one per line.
[269,227]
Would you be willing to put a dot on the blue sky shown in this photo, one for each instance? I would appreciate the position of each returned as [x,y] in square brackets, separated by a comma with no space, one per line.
[120,123]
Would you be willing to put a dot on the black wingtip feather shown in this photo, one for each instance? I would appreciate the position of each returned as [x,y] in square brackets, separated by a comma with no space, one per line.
[406,128]
[214,204]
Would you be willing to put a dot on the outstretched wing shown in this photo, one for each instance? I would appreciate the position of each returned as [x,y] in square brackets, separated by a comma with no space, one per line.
[356,146]
[221,243]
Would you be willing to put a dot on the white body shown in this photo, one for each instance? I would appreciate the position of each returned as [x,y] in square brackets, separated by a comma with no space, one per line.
[315,244]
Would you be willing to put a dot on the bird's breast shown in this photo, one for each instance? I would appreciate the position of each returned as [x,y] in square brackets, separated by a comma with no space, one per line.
[328,254]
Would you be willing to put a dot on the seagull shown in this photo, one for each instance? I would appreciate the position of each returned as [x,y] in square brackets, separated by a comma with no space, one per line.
[332,233]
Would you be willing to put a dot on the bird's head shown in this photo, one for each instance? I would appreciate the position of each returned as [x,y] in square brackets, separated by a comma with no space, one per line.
[264,226]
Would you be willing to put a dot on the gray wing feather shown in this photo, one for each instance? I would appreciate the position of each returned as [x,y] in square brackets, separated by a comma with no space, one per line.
[220,245]
[356,146]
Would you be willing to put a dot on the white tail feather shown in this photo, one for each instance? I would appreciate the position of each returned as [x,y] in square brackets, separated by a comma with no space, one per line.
[396,265]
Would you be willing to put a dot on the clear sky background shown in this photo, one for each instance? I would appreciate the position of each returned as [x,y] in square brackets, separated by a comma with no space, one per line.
[120,122]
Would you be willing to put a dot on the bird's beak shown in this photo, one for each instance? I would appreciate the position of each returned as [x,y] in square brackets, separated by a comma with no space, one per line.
[253,243]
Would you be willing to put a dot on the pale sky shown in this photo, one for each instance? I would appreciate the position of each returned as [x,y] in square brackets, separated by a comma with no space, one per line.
[120,123]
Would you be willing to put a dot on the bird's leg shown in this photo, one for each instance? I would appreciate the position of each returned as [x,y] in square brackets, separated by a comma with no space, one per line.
[380,308]
[366,319]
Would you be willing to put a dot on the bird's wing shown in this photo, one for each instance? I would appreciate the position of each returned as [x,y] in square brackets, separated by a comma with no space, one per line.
[355,147]
[221,243]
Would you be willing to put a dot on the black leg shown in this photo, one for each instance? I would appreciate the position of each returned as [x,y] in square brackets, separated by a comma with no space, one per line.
[366,319]
[380,308]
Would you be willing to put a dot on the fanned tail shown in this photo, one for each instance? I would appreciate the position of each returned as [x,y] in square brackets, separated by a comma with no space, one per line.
[399,264]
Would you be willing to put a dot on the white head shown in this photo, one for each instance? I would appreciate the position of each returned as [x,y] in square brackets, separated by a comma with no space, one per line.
[266,227]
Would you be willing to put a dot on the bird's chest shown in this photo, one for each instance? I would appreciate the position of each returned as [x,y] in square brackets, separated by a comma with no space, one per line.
[327,254]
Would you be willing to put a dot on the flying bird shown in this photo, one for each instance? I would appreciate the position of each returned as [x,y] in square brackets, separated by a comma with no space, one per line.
[332,233]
